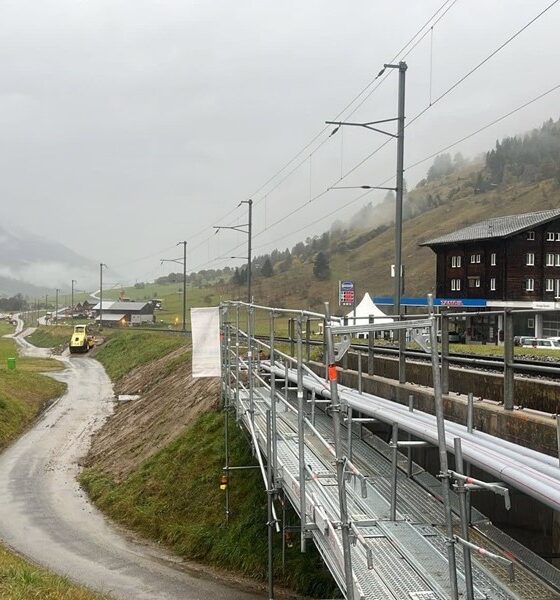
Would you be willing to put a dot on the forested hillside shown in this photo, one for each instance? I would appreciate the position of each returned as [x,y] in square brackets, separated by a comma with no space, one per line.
[521,174]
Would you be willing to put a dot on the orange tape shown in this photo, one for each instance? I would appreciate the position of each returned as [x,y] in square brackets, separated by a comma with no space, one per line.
[332,372]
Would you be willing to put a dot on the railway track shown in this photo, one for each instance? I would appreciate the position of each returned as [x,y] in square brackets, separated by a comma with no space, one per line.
[537,368]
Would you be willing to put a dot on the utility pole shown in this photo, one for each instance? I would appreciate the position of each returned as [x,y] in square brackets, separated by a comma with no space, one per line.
[184,285]
[56,307]
[72,300]
[399,214]
[101,265]
[249,249]
[399,192]
[183,262]
[249,233]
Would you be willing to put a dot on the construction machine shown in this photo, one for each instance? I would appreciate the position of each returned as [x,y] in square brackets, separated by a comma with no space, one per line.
[81,340]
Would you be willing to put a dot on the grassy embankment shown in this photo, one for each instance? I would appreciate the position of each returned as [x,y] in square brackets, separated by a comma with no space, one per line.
[50,336]
[174,496]
[23,394]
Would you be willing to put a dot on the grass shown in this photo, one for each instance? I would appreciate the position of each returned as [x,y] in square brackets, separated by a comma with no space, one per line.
[174,498]
[50,336]
[6,328]
[130,349]
[492,350]
[21,580]
[24,392]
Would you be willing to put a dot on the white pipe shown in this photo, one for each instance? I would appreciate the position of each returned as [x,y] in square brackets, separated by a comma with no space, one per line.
[495,456]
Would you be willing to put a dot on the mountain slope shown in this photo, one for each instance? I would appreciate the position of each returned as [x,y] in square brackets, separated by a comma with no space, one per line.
[369,263]
[29,263]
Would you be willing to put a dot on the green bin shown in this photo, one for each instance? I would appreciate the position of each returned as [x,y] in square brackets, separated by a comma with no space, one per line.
[11,364]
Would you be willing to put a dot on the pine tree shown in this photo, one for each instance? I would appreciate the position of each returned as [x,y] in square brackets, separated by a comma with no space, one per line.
[321,267]
[267,270]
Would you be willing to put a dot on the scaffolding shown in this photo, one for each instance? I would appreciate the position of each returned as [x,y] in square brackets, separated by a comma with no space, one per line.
[307,433]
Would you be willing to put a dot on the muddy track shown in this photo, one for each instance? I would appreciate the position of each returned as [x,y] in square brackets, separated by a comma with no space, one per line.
[46,516]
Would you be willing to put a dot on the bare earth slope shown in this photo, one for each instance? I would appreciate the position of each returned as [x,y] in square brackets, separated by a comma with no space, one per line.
[170,399]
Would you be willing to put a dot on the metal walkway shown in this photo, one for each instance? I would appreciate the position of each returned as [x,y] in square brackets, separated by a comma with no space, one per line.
[387,507]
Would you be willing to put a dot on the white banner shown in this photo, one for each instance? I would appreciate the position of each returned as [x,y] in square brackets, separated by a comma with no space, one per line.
[205,325]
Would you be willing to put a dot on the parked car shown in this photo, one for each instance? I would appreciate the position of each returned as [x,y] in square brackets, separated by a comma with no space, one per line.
[540,343]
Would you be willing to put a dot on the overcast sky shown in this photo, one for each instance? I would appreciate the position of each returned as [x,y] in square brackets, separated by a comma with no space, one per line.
[127,126]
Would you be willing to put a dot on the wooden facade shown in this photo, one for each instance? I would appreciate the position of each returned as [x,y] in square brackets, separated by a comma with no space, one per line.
[520,266]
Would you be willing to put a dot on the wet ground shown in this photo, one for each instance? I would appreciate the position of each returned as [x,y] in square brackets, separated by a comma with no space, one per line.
[46,516]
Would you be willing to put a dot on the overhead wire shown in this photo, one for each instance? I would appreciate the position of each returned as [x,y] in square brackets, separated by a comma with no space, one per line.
[410,122]
[440,97]
[409,47]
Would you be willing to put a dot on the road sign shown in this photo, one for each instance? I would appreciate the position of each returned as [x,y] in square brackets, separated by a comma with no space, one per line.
[346,293]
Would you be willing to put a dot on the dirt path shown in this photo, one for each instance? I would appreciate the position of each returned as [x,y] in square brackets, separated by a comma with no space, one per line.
[47,517]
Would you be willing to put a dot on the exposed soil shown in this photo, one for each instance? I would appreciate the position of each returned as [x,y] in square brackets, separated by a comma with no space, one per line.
[170,399]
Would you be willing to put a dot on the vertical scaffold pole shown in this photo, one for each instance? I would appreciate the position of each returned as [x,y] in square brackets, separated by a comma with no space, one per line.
[462,492]
[250,363]
[237,362]
[444,468]
[371,343]
[349,432]
[394,470]
[224,334]
[444,352]
[509,381]
[307,339]
[301,434]
[273,402]
[409,450]
[269,492]
[340,459]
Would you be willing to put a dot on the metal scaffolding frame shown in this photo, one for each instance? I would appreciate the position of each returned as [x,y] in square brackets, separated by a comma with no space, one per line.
[372,549]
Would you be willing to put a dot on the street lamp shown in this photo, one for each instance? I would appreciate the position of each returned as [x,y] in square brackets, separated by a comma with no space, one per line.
[183,262]
[249,232]
[399,136]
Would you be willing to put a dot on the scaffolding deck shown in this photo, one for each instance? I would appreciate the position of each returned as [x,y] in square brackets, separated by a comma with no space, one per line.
[404,558]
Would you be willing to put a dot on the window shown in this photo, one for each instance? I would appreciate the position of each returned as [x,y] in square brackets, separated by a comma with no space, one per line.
[456,261]
[459,261]
[530,285]
[558,237]
[530,259]
[455,285]
[550,285]
[531,235]
[550,236]
[475,258]
[493,259]
[530,323]
[474,282]
[549,259]
[492,284]
[557,260]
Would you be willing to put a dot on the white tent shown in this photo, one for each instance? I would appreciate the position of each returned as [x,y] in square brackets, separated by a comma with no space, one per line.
[365,309]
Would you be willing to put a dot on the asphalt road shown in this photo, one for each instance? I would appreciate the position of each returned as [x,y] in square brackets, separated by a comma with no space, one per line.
[47,517]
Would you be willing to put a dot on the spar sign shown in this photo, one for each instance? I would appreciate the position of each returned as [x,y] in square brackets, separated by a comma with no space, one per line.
[346,293]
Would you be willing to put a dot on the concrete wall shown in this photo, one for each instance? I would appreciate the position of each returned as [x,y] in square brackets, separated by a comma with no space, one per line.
[535,394]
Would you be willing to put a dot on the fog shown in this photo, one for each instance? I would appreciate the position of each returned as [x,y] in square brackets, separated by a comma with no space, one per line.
[128,126]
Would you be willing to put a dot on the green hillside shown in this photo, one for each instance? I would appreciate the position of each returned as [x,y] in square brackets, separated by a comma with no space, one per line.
[521,174]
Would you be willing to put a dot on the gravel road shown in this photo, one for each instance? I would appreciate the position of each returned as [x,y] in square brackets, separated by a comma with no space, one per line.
[47,517]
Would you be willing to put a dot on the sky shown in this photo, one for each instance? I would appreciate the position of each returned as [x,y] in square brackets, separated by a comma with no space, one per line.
[127,125]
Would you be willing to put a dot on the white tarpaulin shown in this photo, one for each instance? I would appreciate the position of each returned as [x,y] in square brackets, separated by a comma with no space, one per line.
[205,325]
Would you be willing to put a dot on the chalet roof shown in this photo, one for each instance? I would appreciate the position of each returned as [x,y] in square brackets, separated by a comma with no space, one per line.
[499,227]
[111,305]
